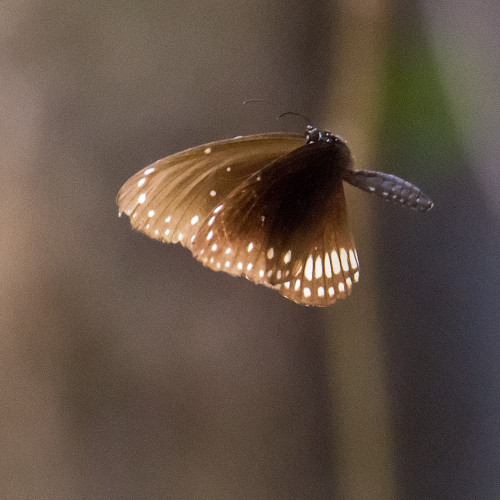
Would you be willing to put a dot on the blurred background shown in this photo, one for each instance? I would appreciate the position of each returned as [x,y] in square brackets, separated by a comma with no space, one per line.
[128,370]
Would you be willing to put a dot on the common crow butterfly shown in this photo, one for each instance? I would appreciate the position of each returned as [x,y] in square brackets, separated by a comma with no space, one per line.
[269,207]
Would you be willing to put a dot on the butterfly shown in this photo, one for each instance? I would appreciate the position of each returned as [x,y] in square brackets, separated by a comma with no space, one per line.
[269,207]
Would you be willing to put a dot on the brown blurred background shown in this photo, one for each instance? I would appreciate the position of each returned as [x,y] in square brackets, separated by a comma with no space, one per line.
[128,370]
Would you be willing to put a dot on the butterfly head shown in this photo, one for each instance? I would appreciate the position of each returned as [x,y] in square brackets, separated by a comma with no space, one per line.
[315,135]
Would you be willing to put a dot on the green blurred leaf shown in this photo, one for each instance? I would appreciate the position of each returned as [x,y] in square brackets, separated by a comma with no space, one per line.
[418,130]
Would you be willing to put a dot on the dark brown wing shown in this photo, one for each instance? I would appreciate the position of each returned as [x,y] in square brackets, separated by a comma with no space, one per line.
[286,227]
[172,198]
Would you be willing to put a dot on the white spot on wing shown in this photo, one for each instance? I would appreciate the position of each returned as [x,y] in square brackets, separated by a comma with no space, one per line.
[240,265]
[344,260]
[151,213]
[321,292]
[149,171]
[328,267]
[288,257]
[210,235]
[142,198]
[214,247]
[352,258]
[218,209]
[168,219]
[297,285]
[335,262]
[213,193]
[207,151]
[194,220]
[331,291]
[356,276]
[270,253]
[141,182]
[250,247]
[307,292]
[308,271]
[261,273]
[318,268]
[249,267]
[341,287]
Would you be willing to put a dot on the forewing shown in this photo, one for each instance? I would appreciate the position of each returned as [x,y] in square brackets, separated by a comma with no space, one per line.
[172,198]
[286,227]
[390,188]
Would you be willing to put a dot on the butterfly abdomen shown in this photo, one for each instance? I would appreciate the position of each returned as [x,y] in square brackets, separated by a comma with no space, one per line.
[390,188]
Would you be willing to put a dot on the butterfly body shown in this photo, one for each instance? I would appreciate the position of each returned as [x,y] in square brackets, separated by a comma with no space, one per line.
[270,207]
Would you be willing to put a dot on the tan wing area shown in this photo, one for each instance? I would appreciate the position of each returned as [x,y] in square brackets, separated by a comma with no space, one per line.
[170,199]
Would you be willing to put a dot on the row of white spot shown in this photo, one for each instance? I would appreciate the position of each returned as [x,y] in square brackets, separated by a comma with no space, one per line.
[142,181]
[321,290]
[307,292]
[332,262]
[195,219]
[142,199]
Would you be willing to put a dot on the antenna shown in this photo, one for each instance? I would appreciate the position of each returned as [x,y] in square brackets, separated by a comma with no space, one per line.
[249,101]
[304,117]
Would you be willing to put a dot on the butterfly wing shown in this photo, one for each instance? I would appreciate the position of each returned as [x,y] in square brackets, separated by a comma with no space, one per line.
[389,187]
[286,227]
[172,198]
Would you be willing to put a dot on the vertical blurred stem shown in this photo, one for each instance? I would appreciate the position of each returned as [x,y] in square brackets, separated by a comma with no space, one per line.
[364,467]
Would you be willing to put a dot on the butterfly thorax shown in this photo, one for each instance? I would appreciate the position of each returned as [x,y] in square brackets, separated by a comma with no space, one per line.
[334,144]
